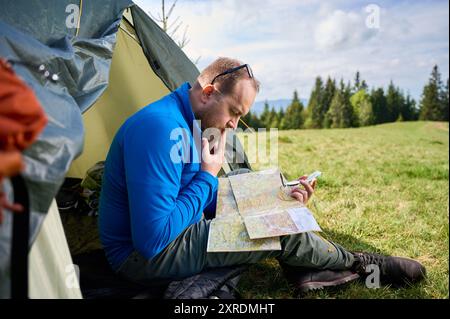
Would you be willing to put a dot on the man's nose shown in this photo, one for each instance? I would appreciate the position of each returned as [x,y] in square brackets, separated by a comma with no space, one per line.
[232,124]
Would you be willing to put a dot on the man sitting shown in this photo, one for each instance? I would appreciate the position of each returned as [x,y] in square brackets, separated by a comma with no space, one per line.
[158,183]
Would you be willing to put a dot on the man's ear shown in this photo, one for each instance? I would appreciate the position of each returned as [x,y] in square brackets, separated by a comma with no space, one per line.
[207,91]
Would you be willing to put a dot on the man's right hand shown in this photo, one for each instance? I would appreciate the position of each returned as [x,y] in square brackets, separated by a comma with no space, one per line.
[212,163]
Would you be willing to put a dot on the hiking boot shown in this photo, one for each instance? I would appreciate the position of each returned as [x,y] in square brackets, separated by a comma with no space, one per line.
[304,280]
[393,270]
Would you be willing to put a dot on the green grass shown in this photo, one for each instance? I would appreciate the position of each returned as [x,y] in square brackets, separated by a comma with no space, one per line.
[384,189]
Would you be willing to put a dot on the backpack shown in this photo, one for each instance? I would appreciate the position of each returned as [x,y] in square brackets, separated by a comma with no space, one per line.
[98,281]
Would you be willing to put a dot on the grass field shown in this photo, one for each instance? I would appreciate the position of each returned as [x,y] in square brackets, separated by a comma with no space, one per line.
[384,189]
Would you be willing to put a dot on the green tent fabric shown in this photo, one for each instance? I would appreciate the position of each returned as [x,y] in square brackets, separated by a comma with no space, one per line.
[52,273]
[114,63]
[165,57]
[35,34]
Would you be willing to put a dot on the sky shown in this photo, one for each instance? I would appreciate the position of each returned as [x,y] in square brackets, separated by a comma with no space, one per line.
[288,43]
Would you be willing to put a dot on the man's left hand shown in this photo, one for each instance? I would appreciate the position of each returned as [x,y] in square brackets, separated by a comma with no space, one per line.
[303,195]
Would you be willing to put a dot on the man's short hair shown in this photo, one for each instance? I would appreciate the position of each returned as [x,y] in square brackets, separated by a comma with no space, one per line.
[226,83]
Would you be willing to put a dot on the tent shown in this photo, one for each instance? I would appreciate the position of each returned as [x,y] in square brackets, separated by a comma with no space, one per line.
[91,65]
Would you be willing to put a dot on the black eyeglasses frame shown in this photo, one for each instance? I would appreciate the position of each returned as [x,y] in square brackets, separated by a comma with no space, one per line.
[249,71]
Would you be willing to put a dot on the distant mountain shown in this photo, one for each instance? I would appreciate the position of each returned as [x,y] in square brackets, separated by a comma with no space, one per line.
[258,107]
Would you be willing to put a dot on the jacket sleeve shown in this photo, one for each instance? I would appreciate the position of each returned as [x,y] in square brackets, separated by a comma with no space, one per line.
[159,209]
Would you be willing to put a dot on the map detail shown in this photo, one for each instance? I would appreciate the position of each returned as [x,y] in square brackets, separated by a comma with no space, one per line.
[253,210]
[228,234]
[282,222]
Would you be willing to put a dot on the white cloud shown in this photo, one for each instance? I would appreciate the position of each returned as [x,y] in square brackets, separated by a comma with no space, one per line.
[342,29]
[290,42]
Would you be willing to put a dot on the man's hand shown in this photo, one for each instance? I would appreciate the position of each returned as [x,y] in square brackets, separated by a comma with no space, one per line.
[303,195]
[212,163]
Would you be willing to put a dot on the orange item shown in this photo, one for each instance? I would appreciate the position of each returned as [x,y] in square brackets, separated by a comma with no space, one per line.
[21,116]
[21,120]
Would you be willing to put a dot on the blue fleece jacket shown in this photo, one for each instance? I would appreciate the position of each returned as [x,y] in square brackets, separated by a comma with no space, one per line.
[152,187]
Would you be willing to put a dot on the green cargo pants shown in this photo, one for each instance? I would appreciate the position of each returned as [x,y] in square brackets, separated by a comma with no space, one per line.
[187,256]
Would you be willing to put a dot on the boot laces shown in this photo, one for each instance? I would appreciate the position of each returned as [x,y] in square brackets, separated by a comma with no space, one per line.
[370,259]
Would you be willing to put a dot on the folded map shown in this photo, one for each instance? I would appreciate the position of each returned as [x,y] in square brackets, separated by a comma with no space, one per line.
[253,210]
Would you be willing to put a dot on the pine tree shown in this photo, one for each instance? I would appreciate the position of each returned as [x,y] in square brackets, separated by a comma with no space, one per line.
[393,103]
[357,85]
[362,108]
[340,114]
[293,119]
[315,104]
[256,123]
[333,115]
[364,85]
[265,116]
[408,110]
[432,106]
[328,94]
[349,114]
[280,117]
[444,99]
[403,112]
[379,107]
[272,120]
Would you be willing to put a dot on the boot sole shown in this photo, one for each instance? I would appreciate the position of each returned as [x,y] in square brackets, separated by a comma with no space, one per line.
[316,285]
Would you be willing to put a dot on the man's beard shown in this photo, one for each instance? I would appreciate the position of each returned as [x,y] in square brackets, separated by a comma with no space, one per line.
[205,124]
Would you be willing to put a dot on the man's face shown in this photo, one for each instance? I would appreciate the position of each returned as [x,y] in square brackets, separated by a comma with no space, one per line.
[224,111]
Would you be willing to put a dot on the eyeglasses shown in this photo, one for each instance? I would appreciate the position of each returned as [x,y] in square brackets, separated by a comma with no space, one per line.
[249,71]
